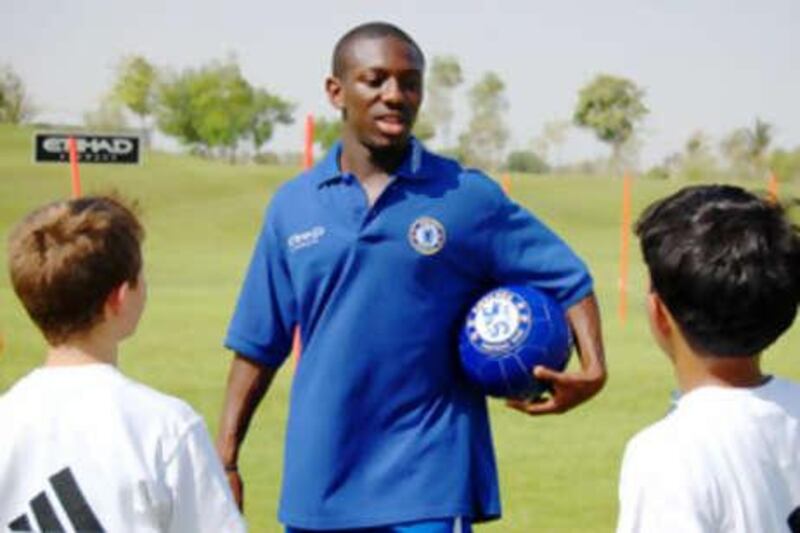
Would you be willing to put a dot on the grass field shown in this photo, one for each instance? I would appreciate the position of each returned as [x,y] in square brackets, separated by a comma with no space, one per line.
[557,473]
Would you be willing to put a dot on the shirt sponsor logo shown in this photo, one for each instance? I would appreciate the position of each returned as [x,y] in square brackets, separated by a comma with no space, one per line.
[426,235]
[305,239]
[499,322]
[54,147]
[71,500]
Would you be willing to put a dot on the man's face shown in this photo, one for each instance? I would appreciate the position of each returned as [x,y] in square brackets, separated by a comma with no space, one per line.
[379,91]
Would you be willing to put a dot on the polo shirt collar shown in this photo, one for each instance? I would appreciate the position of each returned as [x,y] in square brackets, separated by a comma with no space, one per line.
[410,168]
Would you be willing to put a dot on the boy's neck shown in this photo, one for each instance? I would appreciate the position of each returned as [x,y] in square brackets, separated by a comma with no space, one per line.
[82,351]
[695,370]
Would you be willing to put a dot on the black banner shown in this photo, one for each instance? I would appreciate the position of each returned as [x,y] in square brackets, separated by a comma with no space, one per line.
[53,148]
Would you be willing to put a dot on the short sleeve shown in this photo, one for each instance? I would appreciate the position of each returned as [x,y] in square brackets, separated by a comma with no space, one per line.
[656,493]
[262,323]
[525,250]
[201,497]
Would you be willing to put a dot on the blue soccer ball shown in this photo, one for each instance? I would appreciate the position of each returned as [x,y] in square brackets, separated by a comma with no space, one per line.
[508,332]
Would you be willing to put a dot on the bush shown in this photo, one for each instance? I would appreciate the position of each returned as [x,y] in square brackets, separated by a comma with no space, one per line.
[266,158]
[658,172]
[526,161]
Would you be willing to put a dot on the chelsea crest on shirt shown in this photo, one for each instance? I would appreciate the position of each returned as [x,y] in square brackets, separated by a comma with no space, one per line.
[426,235]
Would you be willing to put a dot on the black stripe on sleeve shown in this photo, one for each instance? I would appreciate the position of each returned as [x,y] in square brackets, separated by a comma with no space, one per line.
[45,515]
[794,521]
[20,523]
[73,501]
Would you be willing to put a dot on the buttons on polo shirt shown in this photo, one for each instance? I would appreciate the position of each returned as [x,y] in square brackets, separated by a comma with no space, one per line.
[377,207]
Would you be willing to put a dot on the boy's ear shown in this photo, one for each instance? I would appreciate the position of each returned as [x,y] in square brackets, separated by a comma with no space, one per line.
[333,87]
[117,298]
[659,315]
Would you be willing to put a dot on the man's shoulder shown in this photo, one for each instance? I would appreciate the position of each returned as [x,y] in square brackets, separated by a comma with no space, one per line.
[467,182]
[435,162]
[297,184]
[444,165]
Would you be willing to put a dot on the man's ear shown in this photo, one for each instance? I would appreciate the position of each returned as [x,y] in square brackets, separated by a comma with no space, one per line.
[333,87]
[117,298]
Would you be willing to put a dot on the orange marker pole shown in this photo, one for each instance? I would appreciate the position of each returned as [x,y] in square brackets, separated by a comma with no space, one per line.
[505,183]
[308,151]
[772,187]
[625,236]
[73,161]
[308,162]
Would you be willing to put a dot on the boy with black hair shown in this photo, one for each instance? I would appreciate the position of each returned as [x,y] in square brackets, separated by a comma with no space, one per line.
[83,447]
[725,284]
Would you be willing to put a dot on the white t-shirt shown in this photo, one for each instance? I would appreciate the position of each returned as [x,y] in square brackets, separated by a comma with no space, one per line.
[725,459]
[85,448]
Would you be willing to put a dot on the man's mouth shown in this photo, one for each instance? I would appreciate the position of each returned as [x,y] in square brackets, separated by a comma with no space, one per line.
[392,124]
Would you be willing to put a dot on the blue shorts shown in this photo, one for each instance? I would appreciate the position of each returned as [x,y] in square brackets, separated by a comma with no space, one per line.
[447,525]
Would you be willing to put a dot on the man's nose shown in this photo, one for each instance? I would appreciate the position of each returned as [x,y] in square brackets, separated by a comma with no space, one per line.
[392,91]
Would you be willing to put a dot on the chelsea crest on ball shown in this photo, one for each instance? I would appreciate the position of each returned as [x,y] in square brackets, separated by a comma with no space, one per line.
[507,333]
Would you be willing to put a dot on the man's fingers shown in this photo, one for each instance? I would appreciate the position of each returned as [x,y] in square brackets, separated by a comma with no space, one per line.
[548,374]
[539,407]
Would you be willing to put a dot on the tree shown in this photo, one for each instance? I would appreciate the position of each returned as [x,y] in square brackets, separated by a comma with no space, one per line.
[611,107]
[487,134]
[746,149]
[552,137]
[758,141]
[107,116]
[327,131]
[444,76]
[135,85]
[267,111]
[176,113]
[734,148]
[15,104]
[697,162]
[214,108]
[135,88]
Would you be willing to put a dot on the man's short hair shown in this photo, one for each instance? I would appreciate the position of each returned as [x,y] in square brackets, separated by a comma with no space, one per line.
[66,257]
[369,30]
[726,264]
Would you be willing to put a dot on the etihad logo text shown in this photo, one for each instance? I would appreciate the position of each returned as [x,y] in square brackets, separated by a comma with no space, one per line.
[305,239]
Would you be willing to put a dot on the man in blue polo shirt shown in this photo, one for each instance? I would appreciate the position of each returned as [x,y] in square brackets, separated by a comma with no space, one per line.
[376,254]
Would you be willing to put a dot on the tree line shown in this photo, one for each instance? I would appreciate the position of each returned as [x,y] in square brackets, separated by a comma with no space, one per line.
[212,109]
[215,111]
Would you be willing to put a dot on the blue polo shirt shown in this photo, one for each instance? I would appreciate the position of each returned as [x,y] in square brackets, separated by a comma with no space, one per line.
[383,428]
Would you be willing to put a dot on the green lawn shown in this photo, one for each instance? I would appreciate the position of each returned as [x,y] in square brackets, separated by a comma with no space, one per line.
[557,473]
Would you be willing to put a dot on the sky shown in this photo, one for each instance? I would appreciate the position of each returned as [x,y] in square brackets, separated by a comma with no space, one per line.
[710,65]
